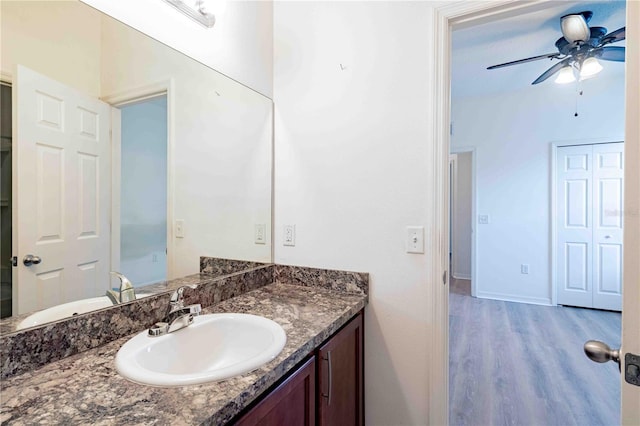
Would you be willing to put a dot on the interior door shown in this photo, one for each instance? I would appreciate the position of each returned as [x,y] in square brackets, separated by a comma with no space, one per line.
[589,225]
[62,200]
[630,409]
[608,174]
[574,225]
[628,356]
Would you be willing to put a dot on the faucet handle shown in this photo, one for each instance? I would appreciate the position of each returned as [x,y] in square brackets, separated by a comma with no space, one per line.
[177,297]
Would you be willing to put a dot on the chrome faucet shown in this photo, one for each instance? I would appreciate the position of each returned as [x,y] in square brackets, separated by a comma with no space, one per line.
[178,316]
[126,293]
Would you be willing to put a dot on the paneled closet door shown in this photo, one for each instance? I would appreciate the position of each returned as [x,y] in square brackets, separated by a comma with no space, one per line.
[608,160]
[574,225]
[589,225]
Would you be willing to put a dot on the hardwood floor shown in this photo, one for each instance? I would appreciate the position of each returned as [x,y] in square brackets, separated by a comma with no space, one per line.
[520,364]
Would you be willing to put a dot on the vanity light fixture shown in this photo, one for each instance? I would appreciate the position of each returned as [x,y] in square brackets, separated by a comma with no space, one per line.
[196,10]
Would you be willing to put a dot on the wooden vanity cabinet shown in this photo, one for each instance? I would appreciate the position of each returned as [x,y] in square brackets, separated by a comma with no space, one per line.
[325,390]
[291,403]
[340,377]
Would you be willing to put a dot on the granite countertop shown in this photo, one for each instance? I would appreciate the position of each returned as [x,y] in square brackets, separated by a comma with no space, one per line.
[86,389]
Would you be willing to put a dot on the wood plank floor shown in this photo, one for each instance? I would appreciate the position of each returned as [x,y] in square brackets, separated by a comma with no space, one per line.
[520,364]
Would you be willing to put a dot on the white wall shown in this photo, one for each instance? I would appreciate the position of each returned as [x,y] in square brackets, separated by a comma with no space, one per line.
[222,151]
[461,221]
[143,193]
[31,36]
[512,133]
[351,168]
[240,44]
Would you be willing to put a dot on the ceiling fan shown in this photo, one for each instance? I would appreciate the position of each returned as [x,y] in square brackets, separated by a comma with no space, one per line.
[579,49]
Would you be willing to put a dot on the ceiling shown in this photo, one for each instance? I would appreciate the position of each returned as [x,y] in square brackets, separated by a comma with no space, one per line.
[531,34]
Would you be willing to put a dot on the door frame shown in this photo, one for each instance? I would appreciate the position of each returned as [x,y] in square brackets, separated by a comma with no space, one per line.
[131,96]
[474,212]
[461,14]
[553,146]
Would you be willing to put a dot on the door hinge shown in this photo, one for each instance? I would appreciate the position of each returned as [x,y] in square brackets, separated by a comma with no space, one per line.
[632,369]
[444,278]
[14,261]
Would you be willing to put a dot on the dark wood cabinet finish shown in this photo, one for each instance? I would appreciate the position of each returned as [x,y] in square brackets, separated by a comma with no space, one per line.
[292,403]
[326,390]
[340,377]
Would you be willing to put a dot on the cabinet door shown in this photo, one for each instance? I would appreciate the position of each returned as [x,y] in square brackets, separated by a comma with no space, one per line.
[291,403]
[340,377]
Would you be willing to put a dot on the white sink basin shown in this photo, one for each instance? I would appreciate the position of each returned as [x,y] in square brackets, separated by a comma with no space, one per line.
[68,310]
[214,347]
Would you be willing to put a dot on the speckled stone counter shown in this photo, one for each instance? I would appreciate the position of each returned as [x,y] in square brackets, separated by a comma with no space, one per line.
[24,350]
[86,389]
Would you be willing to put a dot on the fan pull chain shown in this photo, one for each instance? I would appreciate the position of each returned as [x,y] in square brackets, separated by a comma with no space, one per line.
[578,94]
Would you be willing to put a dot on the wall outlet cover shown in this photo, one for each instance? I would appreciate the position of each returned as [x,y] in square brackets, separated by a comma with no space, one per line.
[483,219]
[260,234]
[289,235]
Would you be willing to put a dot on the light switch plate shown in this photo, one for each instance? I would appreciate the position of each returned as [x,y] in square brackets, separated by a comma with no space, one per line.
[415,239]
[179,228]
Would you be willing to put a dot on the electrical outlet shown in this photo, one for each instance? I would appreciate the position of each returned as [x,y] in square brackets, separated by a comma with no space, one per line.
[289,237]
[154,258]
[524,268]
[415,239]
[483,219]
[260,234]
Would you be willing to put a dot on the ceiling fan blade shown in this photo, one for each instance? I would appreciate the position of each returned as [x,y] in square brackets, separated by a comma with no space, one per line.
[551,71]
[610,53]
[522,61]
[614,36]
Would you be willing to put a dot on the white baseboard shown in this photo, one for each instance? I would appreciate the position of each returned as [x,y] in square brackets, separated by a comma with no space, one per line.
[513,298]
[458,276]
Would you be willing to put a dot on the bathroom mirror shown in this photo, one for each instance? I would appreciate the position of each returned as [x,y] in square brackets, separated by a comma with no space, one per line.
[120,153]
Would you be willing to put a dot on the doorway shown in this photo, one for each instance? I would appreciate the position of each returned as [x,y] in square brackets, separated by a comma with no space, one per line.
[143,190]
[5,201]
[494,376]
[462,210]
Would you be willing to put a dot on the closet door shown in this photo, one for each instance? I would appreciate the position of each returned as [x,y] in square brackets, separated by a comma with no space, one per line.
[608,172]
[574,225]
[589,225]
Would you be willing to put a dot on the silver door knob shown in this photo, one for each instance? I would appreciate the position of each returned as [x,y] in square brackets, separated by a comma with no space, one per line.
[601,352]
[30,259]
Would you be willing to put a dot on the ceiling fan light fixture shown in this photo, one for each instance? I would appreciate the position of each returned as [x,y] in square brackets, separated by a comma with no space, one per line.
[565,75]
[590,67]
[575,28]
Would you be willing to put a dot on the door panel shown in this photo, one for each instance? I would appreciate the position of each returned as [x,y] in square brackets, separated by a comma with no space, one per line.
[607,230]
[574,201]
[63,193]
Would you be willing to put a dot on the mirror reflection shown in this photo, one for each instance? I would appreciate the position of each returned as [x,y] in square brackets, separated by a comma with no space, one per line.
[120,154]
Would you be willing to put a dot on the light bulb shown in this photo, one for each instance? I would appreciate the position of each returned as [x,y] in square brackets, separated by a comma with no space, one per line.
[565,75]
[589,68]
